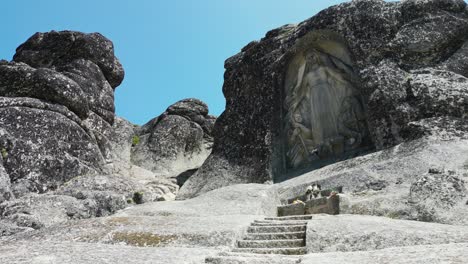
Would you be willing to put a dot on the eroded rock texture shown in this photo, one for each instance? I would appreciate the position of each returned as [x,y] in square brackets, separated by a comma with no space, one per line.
[63,153]
[407,60]
[57,104]
[178,140]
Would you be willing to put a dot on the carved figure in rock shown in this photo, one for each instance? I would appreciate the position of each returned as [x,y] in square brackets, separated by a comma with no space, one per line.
[324,115]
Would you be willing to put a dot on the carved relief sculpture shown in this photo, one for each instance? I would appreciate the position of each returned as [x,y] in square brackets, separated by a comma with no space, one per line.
[324,116]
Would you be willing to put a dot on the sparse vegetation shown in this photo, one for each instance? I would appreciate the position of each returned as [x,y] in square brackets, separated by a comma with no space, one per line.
[4,153]
[394,215]
[138,197]
[142,239]
[135,140]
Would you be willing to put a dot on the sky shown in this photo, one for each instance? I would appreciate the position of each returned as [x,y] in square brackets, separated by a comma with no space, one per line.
[170,49]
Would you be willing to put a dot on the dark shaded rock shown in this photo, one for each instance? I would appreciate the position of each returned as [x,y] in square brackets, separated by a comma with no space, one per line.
[178,140]
[73,69]
[188,107]
[66,133]
[429,39]
[404,60]
[377,185]
[412,9]
[458,62]
[45,145]
[21,80]
[57,49]
[184,176]
[98,93]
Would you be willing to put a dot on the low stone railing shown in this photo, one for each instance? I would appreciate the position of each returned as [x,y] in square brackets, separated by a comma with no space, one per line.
[329,203]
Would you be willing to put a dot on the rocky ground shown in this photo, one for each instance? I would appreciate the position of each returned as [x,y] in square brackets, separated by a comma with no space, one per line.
[379,224]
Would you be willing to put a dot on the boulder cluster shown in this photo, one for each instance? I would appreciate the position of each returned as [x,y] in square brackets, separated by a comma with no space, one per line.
[63,148]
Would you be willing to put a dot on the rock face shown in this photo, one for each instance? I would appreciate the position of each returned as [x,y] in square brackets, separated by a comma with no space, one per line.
[57,107]
[178,140]
[64,154]
[56,100]
[423,179]
[356,77]
[436,196]
[5,184]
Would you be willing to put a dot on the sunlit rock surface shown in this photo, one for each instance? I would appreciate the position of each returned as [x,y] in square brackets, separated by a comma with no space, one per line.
[396,62]
[64,154]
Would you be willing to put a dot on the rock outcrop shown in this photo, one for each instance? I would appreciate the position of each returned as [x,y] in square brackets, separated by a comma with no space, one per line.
[178,140]
[55,93]
[64,154]
[387,64]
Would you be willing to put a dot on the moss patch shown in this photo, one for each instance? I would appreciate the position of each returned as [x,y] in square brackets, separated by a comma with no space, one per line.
[135,140]
[4,153]
[143,239]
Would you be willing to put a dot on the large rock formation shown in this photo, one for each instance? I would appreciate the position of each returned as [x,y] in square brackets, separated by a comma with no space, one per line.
[359,76]
[178,140]
[55,92]
[64,154]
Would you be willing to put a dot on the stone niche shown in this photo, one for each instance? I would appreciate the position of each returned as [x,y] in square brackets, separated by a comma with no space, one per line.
[323,116]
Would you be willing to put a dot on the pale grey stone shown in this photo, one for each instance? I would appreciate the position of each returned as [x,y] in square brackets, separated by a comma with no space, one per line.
[327,233]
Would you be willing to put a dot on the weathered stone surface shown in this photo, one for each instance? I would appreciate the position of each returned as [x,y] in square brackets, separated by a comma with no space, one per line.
[407,59]
[327,233]
[216,219]
[57,112]
[57,109]
[38,211]
[438,195]
[114,192]
[445,253]
[86,253]
[8,228]
[44,145]
[73,69]
[98,93]
[121,145]
[176,141]
[380,183]
[56,49]
[5,183]
[21,80]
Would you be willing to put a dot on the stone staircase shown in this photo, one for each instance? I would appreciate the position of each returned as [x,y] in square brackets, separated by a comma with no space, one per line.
[274,235]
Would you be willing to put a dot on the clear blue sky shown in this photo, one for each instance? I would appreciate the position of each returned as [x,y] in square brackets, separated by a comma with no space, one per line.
[170,49]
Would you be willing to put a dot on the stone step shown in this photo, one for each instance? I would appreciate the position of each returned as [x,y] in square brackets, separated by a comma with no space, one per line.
[277,223]
[291,217]
[285,243]
[279,251]
[276,229]
[244,258]
[274,236]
